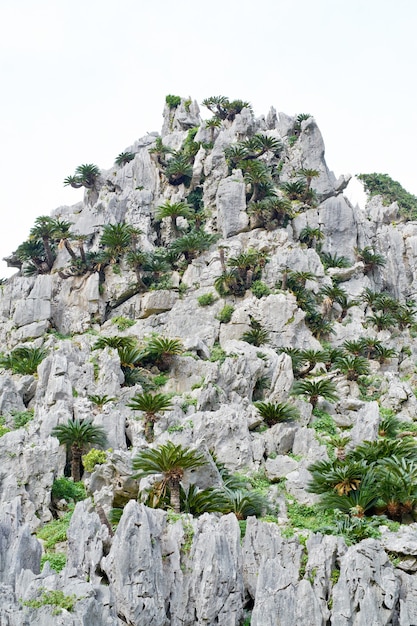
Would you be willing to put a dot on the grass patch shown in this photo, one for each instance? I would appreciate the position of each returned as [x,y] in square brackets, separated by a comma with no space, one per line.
[206,299]
[217,354]
[57,560]
[55,598]
[20,419]
[65,489]
[122,323]
[55,531]
[304,517]
[225,315]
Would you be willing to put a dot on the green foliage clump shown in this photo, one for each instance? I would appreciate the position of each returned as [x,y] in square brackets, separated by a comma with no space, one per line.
[55,598]
[23,360]
[3,430]
[123,158]
[307,517]
[260,289]
[277,412]
[324,423]
[21,418]
[206,299]
[225,315]
[65,489]
[55,531]
[256,335]
[218,354]
[57,560]
[391,191]
[100,400]
[173,101]
[85,175]
[122,323]
[92,458]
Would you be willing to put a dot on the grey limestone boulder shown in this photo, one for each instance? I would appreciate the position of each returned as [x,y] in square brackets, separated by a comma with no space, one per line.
[150,573]
[231,205]
[367,590]
[36,307]
[155,302]
[279,467]
[366,424]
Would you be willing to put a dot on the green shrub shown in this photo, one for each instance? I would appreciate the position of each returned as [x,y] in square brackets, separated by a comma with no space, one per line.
[159,380]
[391,191]
[21,418]
[217,353]
[225,315]
[308,517]
[3,430]
[260,289]
[57,560]
[92,458]
[122,322]
[206,299]
[323,423]
[55,598]
[55,531]
[173,101]
[65,489]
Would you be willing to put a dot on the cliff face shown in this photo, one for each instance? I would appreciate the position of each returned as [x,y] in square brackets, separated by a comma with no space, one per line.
[158,568]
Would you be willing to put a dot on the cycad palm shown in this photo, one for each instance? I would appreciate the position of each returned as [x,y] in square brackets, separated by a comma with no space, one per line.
[171,461]
[116,342]
[173,210]
[123,158]
[375,451]
[262,143]
[23,360]
[311,236]
[277,412]
[313,358]
[150,404]
[118,238]
[397,486]
[370,259]
[160,351]
[357,502]
[333,260]
[197,501]
[314,389]
[78,435]
[338,476]
[256,174]
[244,503]
[45,228]
[352,366]
[179,170]
[294,190]
[192,243]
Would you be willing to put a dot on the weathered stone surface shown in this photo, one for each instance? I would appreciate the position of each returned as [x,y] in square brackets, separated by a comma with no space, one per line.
[147,579]
[19,549]
[10,398]
[156,570]
[231,205]
[37,305]
[366,425]
[367,590]
[156,302]
[279,467]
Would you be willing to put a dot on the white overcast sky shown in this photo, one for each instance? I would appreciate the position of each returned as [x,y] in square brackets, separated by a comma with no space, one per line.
[82,79]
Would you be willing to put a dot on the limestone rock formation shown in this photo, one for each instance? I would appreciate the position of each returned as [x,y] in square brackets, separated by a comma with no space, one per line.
[221,269]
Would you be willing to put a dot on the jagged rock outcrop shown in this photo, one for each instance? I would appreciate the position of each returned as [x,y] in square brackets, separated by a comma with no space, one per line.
[242,308]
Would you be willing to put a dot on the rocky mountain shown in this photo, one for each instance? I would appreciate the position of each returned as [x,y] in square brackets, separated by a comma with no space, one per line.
[244,339]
